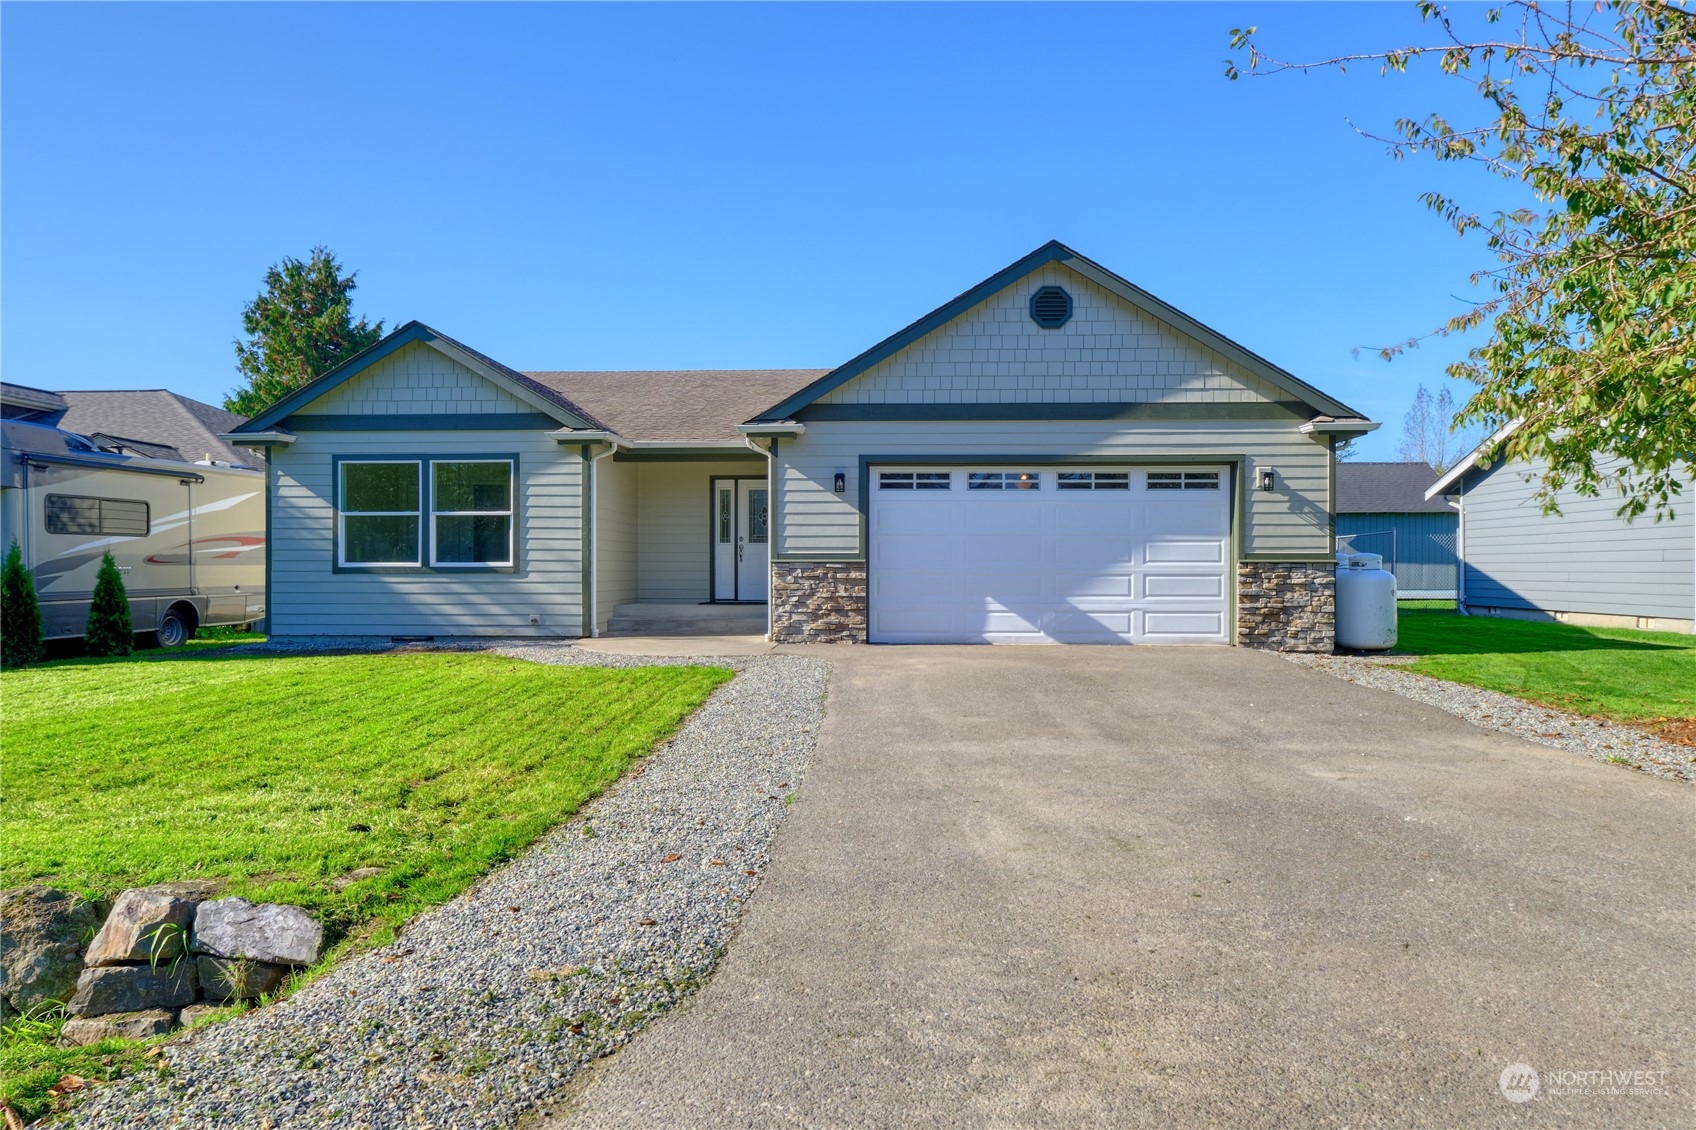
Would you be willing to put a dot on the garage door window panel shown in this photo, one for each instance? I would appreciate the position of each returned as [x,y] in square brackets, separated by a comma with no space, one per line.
[1183,480]
[1003,480]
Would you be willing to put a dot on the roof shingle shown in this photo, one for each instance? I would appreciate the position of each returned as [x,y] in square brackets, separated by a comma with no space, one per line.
[1386,488]
[677,405]
[156,417]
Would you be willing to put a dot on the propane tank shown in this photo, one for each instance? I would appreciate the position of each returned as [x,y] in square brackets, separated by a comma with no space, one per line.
[1366,602]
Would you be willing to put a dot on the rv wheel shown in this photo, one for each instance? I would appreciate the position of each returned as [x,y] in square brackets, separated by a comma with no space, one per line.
[173,628]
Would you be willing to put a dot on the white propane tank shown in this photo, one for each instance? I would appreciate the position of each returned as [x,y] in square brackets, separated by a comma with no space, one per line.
[1366,602]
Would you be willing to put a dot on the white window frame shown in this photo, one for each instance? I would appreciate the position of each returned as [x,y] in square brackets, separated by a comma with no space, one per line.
[342,514]
[510,514]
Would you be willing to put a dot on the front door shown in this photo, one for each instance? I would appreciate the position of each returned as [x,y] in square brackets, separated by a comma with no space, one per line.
[741,539]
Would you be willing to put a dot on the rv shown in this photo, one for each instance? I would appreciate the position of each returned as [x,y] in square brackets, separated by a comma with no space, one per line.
[189,538]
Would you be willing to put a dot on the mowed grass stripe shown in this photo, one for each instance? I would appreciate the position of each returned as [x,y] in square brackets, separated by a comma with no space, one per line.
[266,772]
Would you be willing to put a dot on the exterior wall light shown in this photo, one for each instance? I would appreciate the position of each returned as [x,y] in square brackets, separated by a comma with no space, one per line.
[841,484]
[1265,477]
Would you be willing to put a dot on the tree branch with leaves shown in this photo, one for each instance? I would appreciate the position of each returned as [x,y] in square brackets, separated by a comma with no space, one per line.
[1591,303]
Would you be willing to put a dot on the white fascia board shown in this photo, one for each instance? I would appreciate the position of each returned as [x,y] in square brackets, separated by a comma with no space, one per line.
[1325,426]
[777,428]
[1471,462]
[272,438]
[589,435]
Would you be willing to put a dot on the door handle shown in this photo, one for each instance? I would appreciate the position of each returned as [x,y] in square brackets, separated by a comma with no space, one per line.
[739,546]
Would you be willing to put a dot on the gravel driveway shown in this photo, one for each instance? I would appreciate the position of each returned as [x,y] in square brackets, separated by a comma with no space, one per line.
[544,965]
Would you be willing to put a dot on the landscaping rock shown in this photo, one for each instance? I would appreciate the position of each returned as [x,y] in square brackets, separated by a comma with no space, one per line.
[195,1013]
[238,979]
[148,924]
[271,932]
[41,935]
[134,988]
[80,1030]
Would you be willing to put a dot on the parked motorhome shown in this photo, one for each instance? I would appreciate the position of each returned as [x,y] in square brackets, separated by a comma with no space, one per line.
[189,538]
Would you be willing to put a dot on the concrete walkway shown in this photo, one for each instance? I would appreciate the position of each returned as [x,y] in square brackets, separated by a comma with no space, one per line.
[1180,887]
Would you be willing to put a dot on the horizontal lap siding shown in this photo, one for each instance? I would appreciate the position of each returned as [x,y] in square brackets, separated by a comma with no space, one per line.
[673,519]
[308,597]
[1292,519]
[1585,560]
[1419,548]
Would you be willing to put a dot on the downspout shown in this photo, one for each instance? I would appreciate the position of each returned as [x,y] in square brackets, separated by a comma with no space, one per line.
[1460,548]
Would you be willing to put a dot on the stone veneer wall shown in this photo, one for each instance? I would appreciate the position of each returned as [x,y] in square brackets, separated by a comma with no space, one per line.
[818,602]
[1287,606]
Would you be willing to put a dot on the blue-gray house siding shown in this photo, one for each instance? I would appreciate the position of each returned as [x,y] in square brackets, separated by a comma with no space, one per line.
[1586,560]
[1418,548]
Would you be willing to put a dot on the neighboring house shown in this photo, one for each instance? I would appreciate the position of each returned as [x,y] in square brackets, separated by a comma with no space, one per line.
[1585,565]
[1055,455]
[1382,509]
[150,422]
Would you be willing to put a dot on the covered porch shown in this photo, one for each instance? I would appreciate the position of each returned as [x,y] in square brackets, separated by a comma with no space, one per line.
[679,540]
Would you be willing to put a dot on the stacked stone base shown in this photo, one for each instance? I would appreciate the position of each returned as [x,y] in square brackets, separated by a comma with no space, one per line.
[818,602]
[1287,606]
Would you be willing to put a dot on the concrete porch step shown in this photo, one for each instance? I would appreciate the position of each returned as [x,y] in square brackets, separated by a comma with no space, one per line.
[656,618]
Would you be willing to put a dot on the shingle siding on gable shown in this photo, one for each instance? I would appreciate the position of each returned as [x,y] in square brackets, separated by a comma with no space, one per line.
[415,380]
[1110,351]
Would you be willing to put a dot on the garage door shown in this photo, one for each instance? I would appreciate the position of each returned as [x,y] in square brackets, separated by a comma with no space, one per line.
[1049,554]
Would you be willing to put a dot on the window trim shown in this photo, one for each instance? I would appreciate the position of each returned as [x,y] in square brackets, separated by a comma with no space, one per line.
[47,516]
[426,490]
[510,514]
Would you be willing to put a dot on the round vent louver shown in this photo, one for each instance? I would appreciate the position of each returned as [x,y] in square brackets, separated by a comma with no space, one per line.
[1051,307]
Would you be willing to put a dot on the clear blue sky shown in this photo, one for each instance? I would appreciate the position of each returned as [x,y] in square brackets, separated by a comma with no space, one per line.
[703,186]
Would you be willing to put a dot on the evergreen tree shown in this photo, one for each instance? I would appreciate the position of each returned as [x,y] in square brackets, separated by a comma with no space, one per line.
[20,612]
[299,328]
[109,631]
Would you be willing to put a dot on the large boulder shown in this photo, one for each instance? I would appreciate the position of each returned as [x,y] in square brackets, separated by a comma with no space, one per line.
[148,924]
[41,936]
[134,988]
[238,979]
[79,1030]
[269,932]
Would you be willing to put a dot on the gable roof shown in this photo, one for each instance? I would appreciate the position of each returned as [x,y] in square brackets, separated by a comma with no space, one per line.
[1473,460]
[546,400]
[154,421]
[1056,252]
[1386,488]
[678,405]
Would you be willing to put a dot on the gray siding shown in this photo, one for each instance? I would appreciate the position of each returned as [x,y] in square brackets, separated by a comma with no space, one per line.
[615,512]
[308,597]
[1585,560]
[1292,519]
[673,524]
[1418,548]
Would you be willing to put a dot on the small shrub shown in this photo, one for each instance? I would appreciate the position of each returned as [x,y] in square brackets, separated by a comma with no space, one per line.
[20,612]
[109,631]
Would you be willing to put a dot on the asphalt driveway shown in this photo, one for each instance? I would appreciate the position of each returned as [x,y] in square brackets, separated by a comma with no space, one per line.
[1182,887]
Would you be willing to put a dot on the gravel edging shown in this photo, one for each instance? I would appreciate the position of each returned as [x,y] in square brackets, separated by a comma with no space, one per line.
[489,1003]
[1493,710]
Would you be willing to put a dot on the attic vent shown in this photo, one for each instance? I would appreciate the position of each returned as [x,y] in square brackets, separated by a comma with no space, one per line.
[1051,307]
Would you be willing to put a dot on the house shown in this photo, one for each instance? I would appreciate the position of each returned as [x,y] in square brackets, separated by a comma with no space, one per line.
[1584,565]
[1053,456]
[152,422]
[1382,509]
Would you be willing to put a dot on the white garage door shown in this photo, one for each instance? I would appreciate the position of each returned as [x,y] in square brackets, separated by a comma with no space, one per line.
[1049,554]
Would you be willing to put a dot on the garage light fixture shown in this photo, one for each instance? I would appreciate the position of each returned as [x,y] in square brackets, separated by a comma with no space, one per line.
[841,484]
[1264,477]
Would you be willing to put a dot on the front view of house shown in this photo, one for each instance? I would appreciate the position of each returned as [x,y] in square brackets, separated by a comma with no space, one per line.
[1055,456]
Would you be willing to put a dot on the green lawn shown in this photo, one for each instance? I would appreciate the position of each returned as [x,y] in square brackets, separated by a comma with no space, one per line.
[1617,673]
[279,775]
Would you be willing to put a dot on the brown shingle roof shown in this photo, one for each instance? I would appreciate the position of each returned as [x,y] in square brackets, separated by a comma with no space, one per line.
[159,417]
[677,405]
